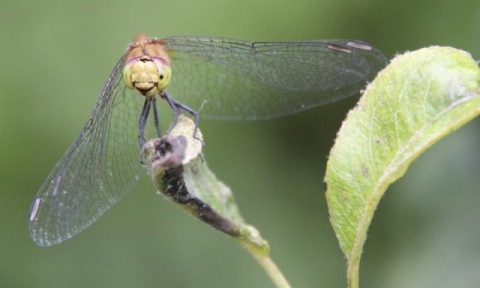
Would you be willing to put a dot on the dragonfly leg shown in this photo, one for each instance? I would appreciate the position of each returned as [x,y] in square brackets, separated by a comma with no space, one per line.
[142,122]
[155,118]
[176,106]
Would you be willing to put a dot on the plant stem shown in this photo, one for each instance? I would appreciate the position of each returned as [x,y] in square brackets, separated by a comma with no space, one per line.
[268,266]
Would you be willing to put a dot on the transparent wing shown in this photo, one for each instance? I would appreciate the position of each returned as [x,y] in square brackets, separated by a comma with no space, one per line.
[100,167]
[238,80]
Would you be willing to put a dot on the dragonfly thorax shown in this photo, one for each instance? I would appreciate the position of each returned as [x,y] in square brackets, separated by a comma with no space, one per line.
[146,75]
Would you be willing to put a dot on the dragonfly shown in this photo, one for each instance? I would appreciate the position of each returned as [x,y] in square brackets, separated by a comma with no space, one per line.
[222,78]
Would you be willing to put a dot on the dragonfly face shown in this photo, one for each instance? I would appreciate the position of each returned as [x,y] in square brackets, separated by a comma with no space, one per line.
[227,79]
[146,75]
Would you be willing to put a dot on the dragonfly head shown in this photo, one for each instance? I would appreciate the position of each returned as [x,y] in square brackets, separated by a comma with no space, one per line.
[147,75]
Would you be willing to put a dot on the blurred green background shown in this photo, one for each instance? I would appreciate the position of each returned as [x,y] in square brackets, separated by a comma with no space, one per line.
[56,58]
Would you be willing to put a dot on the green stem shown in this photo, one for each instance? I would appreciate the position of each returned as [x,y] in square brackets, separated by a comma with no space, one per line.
[353,273]
[268,266]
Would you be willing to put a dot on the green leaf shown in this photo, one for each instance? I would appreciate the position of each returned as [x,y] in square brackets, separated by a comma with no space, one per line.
[419,98]
[179,171]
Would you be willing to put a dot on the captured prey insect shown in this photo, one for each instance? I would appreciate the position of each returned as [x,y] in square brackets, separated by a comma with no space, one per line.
[226,78]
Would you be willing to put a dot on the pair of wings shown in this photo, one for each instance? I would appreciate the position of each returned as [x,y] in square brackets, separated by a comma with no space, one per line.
[230,79]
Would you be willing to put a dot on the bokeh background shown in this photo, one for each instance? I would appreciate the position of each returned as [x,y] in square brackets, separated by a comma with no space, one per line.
[56,56]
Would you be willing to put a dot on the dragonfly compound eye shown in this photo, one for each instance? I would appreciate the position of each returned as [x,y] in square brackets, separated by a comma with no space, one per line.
[164,76]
